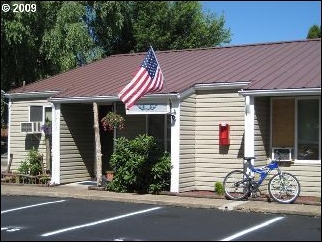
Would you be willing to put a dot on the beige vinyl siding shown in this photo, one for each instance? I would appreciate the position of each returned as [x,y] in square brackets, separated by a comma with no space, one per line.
[309,176]
[21,143]
[77,143]
[187,144]
[262,130]
[213,162]
[202,161]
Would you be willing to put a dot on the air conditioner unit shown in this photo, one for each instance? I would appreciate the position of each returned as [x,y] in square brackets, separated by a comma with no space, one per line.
[30,127]
[36,127]
[282,154]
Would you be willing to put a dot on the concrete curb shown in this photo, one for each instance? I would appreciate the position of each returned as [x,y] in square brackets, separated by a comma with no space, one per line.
[82,192]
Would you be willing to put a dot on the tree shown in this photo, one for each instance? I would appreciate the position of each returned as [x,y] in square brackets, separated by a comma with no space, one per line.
[70,43]
[39,44]
[112,25]
[171,25]
[192,29]
[62,35]
[21,34]
[314,32]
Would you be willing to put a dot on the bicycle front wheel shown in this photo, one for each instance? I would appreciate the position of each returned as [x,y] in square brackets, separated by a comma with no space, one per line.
[284,188]
[236,185]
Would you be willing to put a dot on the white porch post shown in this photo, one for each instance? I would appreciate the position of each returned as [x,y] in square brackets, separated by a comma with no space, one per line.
[249,127]
[98,153]
[55,173]
[175,146]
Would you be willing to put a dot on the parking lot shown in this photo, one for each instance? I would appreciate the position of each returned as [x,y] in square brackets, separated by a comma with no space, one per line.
[30,218]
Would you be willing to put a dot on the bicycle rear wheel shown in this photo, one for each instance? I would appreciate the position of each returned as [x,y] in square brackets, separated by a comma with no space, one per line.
[236,185]
[284,188]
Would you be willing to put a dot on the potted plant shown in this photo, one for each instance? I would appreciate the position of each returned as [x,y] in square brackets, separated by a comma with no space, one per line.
[112,121]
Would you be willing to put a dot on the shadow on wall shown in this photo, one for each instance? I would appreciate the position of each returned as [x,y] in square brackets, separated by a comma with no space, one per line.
[79,121]
[32,141]
[224,149]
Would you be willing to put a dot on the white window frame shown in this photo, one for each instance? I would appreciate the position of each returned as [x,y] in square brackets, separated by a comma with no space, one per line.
[42,122]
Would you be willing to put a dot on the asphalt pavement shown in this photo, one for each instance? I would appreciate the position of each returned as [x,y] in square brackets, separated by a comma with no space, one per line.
[84,191]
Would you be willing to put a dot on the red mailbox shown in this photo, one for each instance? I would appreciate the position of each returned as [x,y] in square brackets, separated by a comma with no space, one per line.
[224,134]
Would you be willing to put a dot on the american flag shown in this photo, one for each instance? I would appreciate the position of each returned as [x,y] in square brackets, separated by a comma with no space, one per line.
[148,79]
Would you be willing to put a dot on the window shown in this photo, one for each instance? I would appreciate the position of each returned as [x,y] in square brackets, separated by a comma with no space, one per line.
[48,114]
[308,129]
[159,127]
[296,125]
[36,114]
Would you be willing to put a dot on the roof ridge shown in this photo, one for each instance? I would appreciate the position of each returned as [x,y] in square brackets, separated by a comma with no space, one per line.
[240,45]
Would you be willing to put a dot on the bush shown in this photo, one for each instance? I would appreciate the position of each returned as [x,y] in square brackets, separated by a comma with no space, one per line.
[32,164]
[140,166]
[219,188]
[24,167]
[161,173]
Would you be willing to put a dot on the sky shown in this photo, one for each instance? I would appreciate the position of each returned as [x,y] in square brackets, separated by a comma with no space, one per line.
[252,22]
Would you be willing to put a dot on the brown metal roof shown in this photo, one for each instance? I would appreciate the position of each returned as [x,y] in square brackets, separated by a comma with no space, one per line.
[281,65]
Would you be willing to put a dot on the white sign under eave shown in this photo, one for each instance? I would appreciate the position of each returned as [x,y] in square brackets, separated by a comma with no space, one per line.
[153,108]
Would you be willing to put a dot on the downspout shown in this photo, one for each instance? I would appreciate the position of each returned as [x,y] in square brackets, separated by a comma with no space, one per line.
[175,145]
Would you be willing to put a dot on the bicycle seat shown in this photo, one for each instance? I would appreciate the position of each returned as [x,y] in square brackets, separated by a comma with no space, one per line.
[249,158]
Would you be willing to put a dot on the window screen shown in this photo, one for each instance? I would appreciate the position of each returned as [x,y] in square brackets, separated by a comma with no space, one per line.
[36,113]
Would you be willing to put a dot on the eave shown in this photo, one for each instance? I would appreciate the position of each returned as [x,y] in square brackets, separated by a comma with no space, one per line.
[281,92]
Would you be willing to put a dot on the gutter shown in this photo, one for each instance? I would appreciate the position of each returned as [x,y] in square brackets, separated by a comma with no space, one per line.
[152,97]
[281,92]
[214,86]
[83,99]
[31,94]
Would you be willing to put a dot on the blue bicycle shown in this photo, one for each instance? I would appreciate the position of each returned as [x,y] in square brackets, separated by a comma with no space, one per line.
[283,187]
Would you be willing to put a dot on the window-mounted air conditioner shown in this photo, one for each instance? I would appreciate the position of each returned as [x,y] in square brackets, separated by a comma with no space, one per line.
[282,154]
[30,127]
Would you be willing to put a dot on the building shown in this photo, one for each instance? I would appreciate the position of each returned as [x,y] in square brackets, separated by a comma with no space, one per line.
[258,98]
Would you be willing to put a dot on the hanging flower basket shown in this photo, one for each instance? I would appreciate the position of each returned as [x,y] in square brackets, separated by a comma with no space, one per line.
[112,121]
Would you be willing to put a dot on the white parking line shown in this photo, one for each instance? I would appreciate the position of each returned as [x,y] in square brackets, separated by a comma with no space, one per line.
[251,229]
[31,206]
[98,222]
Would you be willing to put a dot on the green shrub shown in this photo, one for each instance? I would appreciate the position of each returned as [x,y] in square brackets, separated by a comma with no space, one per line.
[32,164]
[139,165]
[24,167]
[219,188]
[161,175]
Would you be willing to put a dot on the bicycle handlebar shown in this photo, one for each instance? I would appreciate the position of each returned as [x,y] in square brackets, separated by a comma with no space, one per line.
[279,157]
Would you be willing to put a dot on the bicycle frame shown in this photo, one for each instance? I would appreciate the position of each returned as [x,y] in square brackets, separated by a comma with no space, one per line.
[264,171]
